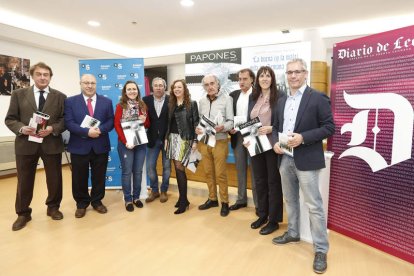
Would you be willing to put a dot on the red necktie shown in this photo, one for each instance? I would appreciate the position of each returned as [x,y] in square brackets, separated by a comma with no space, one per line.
[90,108]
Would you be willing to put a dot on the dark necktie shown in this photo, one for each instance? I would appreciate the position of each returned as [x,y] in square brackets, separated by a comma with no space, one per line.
[41,100]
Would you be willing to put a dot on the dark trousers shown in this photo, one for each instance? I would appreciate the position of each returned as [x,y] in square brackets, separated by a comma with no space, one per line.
[80,176]
[268,186]
[26,171]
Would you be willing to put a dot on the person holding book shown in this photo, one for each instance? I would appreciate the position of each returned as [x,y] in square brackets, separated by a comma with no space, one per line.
[305,116]
[262,104]
[25,103]
[181,138]
[241,156]
[217,108]
[89,117]
[131,108]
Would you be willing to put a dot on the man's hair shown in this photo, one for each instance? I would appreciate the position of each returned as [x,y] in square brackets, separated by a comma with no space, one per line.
[299,60]
[251,73]
[40,65]
[159,79]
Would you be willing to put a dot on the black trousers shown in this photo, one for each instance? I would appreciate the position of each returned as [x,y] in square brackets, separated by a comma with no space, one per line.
[80,176]
[26,171]
[268,186]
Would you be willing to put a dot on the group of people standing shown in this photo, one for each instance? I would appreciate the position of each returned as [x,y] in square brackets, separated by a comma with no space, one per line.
[172,124]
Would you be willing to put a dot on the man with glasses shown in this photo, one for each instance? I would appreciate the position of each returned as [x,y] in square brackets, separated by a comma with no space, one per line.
[157,105]
[305,117]
[23,104]
[217,107]
[89,145]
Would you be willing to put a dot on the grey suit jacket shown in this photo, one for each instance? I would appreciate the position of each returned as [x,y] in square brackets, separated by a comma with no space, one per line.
[21,109]
[314,122]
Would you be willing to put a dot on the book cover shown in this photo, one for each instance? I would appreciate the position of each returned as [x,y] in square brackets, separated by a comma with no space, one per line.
[39,122]
[89,122]
[257,143]
[283,140]
[191,159]
[208,136]
[134,132]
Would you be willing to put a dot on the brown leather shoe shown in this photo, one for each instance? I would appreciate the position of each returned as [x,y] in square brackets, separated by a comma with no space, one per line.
[163,197]
[55,214]
[152,197]
[101,209]
[21,222]
[80,213]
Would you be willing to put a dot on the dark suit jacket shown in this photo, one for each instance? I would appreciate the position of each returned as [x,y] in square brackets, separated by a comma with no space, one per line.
[159,125]
[314,122]
[75,112]
[21,109]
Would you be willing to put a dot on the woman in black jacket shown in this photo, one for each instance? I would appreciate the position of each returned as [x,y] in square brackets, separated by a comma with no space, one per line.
[182,120]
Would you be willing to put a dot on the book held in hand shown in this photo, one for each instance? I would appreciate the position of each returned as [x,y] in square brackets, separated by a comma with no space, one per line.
[208,136]
[134,132]
[238,120]
[257,143]
[191,159]
[90,122]
[283,140]
[39,122]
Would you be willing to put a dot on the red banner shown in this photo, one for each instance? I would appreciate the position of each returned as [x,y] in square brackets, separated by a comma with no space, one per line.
[372,176]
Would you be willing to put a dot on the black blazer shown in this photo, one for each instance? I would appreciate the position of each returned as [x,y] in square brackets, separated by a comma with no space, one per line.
[159,125]
[314,122]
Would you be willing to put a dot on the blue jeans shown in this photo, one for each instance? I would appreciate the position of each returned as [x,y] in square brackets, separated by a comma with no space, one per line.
[308,182]
[132,162]
[152,157]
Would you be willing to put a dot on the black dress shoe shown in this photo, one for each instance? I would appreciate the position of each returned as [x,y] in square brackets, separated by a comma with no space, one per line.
[208,204]
[177,204]
[21,222]
[129,207]
[258,223]
[269,228]
[55,214]
[138,203]
[224,212]
[237,206]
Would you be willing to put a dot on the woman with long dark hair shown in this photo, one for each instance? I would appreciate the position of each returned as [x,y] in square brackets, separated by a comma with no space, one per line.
[182,120]
[262,104]
[132,157]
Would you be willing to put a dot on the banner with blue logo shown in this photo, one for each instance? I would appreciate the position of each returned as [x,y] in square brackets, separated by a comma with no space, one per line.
[111,75]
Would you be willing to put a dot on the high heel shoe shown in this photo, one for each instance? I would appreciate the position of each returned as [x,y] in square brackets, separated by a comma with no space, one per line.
[177,204]
[182,208]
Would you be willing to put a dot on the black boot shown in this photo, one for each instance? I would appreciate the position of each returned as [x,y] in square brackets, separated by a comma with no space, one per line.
[182,190]
[224,209]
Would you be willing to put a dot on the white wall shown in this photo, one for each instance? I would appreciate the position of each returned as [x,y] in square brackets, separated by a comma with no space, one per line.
[65,72]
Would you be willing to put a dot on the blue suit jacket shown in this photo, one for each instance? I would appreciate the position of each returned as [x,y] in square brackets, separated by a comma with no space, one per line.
[75,112]
[314,122]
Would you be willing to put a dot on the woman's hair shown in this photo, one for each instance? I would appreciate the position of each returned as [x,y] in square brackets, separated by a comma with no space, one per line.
[274,93]
[123,101]
[173,99]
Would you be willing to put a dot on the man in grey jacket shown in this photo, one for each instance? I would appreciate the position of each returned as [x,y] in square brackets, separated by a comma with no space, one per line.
[217,107]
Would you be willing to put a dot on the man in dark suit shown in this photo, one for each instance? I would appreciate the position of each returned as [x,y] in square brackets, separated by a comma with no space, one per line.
[157,105]
[305,116]
[89,146]
[240,106]
[23,103]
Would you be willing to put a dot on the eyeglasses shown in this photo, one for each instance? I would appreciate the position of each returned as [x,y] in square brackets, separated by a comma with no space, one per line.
[88,83]
[296,72]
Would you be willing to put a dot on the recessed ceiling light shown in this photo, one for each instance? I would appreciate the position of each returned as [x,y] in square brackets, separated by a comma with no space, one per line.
[187,3]
[94,23]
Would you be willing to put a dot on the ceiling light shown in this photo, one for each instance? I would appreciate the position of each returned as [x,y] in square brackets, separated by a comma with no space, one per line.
[187,3]
[94,23]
